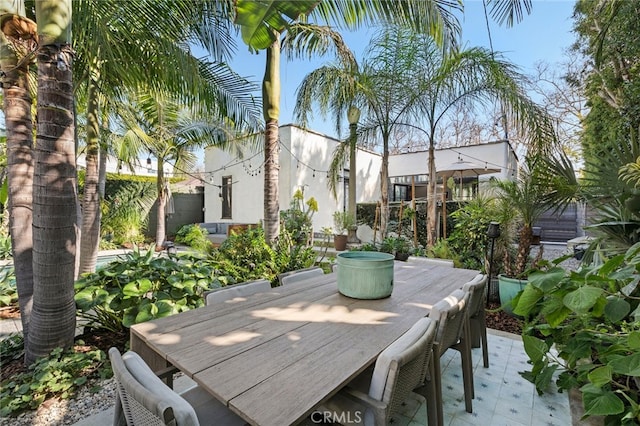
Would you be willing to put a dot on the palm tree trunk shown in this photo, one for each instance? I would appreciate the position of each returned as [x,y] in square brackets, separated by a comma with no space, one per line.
[90,236]
[525,238]
[431,197]
[384,187]
[19,133]
[162,201]
[54,197]
[271,112]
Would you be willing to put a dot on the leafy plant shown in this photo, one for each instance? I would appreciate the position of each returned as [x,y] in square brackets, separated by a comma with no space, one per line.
[125,212]
[8,290]
[342,221]
[60,374]
[12,347]
[398,245]
[591,317]
[469,239]
[5,247]
[247,255]
[194,236]
[536,190]
[297,220]
[142,287]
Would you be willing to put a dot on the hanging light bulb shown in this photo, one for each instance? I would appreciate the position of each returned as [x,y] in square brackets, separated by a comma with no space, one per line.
[148,161]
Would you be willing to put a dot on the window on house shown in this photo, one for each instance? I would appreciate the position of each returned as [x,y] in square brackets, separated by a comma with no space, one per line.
[226,197]
[401,193]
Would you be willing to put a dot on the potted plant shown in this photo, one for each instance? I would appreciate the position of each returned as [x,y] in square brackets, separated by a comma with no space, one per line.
[401,247]
[342,221]
[534,192]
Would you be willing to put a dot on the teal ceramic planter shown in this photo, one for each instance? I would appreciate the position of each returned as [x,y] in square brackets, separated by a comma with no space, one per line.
[508,288]
[365,274]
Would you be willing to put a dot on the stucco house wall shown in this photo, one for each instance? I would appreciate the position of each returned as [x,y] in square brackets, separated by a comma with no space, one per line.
[305,157]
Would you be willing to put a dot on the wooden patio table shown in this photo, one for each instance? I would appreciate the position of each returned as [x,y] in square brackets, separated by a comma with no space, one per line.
[275,356]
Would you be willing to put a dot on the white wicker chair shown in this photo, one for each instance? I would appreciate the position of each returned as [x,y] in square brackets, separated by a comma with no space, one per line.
[451,315]
[477,317]
[240,290]
[143,399]
[376,394]
[298,275]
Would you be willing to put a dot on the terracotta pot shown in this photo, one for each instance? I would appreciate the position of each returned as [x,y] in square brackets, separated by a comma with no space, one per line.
[340,242]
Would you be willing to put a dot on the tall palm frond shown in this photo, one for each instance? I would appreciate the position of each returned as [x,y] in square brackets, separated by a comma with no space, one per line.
[509,11]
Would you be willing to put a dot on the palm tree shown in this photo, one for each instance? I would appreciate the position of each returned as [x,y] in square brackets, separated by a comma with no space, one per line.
[114,56]
[263,24]
[53,317]
[470,77]
[16,55]
[171,132]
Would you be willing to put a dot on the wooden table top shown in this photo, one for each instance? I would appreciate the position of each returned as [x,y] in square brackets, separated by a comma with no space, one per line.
[273,357]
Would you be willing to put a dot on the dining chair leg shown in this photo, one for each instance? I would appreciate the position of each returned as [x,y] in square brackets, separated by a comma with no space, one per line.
[467,371]
[483,337]
[437,380]
[467,375]
[428,391]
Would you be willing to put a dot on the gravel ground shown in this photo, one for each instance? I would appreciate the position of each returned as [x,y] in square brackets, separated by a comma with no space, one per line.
[67,412]
[57,412]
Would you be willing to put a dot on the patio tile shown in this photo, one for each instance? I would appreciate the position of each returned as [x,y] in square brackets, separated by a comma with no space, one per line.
[503,397]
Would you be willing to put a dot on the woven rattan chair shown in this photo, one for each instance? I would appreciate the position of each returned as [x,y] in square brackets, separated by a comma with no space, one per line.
[240,290]
[477,317]
[451,315]
[142,399]
[376,394]
[298,275]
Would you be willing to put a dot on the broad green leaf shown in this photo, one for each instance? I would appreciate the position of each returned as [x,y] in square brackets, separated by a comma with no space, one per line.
[535,348]
[616,309]
[527,300]
[546,281]
[598,402]
[634,340]
[261,20]
[144,315]
[582,299]
[627,365]
[137,288]
[636,314]
[600,376]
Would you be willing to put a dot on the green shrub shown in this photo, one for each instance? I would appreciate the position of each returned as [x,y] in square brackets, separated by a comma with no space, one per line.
[591,319]
[142,287]
[125,211]
[60,375]
[11,347]
[247,256]
[5,247]
[194,236]
[8,290]
[297,219]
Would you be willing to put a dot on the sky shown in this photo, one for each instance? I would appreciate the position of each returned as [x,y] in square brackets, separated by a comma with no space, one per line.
[544,35]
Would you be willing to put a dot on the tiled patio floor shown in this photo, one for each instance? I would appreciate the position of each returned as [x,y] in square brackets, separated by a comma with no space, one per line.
[503,397]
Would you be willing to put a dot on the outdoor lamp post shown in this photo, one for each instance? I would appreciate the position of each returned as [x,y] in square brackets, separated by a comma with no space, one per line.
[353,115]
[493,232]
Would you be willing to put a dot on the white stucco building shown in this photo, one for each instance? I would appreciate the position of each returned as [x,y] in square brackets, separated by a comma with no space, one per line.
[234,186]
